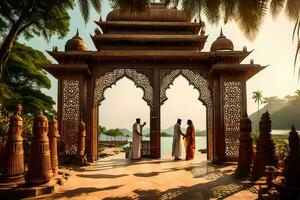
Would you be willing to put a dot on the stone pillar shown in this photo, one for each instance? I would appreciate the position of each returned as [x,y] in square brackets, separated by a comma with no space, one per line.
[245,149]
[53,135]
[81,140]
[39,167]
[218,137]
[265,155]
[13,165]
[291,169]
[155,117]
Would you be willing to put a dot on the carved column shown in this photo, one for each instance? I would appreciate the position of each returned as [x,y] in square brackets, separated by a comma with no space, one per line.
[246,148]
[91,119]
[53,135]
[155,117]
[219,138]
[265,155]
[13,168]
[81,140]
[39,167]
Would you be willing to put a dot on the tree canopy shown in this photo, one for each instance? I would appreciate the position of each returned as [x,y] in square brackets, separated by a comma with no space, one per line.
[31,18]
[23,80]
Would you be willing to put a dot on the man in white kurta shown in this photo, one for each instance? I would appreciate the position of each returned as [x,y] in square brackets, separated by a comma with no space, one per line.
[176,147]
[136,139]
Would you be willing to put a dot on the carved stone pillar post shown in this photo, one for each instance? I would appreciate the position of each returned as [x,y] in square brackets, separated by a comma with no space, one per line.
[246,148]
[81,140]
[39,168]
[13,166]
[292,161]
[219,138]
[155,117]
[53,135]
[265,155]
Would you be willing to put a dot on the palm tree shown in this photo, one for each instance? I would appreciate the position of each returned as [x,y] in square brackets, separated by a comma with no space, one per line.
[258,98]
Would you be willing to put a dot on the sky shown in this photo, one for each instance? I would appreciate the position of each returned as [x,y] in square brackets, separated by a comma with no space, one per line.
[273,47]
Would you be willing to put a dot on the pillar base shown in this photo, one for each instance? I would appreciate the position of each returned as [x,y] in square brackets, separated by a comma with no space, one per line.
[12,181]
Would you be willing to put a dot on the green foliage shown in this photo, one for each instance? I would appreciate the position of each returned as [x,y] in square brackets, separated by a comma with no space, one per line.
[23,80]
[114,132]
[84,6]
[164,134]
[35,17]
[282,148]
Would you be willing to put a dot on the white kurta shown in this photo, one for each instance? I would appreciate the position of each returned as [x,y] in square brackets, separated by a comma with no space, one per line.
[176,147]
[136,141]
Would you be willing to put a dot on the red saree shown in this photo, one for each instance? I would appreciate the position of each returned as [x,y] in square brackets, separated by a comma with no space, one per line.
[190,143]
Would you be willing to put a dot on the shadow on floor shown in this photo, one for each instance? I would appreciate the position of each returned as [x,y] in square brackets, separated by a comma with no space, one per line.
[222,187]
[80,191]
[101,175]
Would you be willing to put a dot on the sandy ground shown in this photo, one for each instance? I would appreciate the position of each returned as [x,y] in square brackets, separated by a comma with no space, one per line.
[115,177]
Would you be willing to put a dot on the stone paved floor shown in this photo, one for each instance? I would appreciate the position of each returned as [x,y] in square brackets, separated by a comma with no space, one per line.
[117,178]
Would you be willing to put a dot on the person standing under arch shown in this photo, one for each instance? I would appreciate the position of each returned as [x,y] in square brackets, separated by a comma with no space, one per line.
[137,139]
[176,147]
[189,141]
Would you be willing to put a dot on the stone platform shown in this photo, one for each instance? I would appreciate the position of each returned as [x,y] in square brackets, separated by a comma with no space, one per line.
[118,178]
[29,191]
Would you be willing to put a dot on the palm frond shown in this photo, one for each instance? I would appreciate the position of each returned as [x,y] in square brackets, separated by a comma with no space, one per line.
[84,7]
[252,13]
[295,28]
[276,6]
[229,9]
[192,7]
[296,56]
[131,6]
[211,9]
[292,9]
[96,5]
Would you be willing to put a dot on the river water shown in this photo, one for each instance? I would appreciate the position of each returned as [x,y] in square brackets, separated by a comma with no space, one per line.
[166,142]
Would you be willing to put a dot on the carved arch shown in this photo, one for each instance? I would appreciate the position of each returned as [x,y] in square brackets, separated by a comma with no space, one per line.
[202,85]
[110,78]
[198,81]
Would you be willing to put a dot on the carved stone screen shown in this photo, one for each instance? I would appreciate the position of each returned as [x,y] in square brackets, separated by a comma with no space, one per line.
[167,78]
[110,78]
[70,115]
[232,116]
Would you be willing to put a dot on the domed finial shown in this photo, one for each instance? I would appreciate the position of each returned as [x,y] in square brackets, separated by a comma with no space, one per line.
[221,34]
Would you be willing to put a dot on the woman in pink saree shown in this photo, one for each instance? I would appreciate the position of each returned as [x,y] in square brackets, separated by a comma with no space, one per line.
[190,141]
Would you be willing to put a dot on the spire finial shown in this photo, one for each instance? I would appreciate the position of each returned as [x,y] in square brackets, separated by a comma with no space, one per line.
[221,34]
[77,33]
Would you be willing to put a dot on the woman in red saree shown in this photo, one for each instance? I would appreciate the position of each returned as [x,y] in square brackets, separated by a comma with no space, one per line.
[190,141]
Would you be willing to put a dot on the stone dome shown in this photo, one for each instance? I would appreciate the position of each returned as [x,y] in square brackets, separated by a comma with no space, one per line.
[158,12]
[76,44]
[222,44]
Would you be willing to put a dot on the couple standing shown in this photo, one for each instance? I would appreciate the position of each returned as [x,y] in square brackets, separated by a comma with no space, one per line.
[189,140]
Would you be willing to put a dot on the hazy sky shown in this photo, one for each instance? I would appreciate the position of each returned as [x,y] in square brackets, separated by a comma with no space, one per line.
[273,46]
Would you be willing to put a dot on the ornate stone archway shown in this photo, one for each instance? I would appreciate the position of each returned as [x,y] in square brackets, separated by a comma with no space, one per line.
[162,44]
